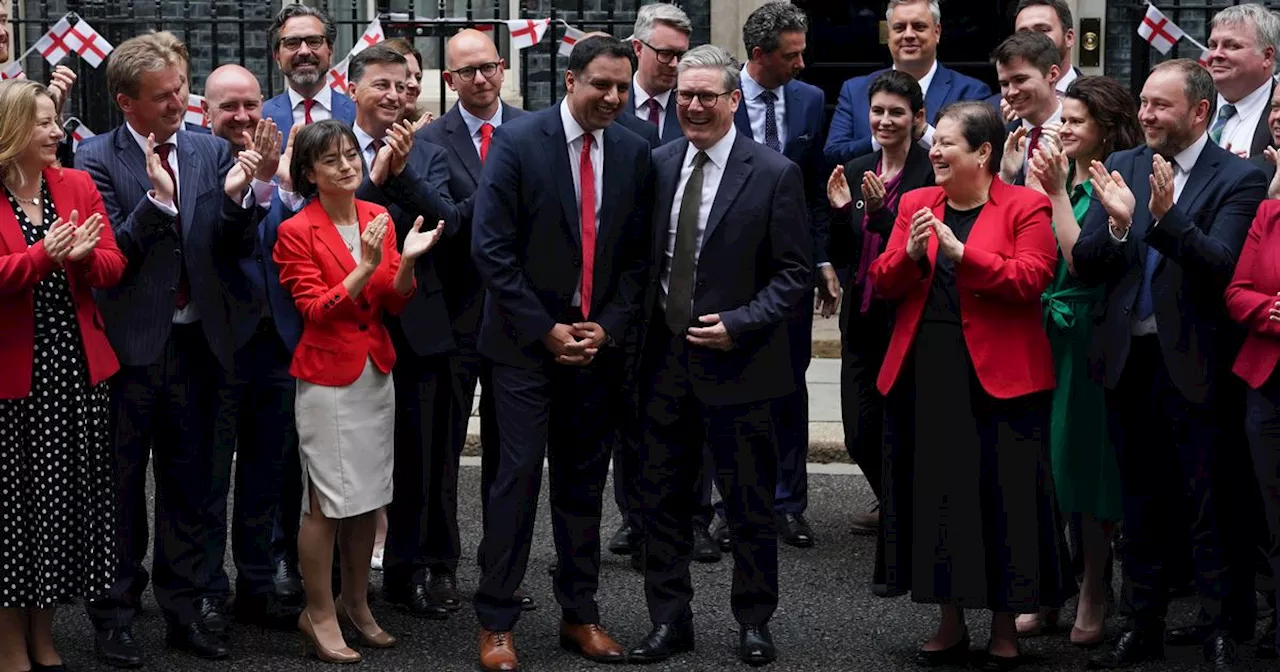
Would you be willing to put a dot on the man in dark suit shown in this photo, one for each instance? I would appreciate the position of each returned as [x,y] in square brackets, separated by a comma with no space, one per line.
[1026,67]
[171,323]
[1242,58]
[302,42]
[475,72]
[1053,19]
[1166,251]
[559,237]
[660,38]
[787,115]
[915,26]
[731,243]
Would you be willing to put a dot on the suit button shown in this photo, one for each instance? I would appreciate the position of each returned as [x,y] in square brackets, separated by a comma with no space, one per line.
[700,284]
[260,259]
[1126,311]
[173,288]
[177,252]
[364,327]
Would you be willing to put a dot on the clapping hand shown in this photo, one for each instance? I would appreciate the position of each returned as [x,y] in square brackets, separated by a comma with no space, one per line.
[1048,170]
[267,140]
[1114,195]
[161,184]
[1014,154]
[948,245]
[838,194]
[400,139]
[86,236]
[1273,156]
[371,241]
[246,166]
[1275,310]
[873,191]
[58,240]
[283,178]
[418,242]
[918,237]
[1161,180]
[1009,114]
[60,87]
[422,121]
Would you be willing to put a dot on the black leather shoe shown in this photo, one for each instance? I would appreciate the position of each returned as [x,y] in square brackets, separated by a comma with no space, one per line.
[956,655]
[415,598]
[287,582]
[115,647]
[755,645]
[664,641]
[212,611]
[443,587]
[267,611]
[704,550]
[1132,647]
[1220,653]
[795,530]
[720,533]
[621,542]
[1186,636]
[196,640]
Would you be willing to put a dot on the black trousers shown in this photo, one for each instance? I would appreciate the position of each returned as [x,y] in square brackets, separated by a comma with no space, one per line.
[167,409]
[676,425]
[791,418]
[490,446]
[258,407]
[561,412]
[1262,424]
[1166,447]
[863,343]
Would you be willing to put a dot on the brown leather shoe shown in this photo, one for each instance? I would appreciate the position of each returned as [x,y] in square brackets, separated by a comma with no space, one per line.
[497,651]
[592,642]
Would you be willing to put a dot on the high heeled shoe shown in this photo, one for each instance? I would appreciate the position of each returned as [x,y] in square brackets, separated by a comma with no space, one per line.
[307,630]
[376,640]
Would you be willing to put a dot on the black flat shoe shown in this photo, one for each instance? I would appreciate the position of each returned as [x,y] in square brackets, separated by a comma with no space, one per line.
[37,667]
[1130,648]
[196,640]
[704,549]
[994,663]
[957,654]
[795,530]
[287,582]
[755,645]
[443,589]
[621,542]
[664,641]
[415,599]
[213,611]
[117,648]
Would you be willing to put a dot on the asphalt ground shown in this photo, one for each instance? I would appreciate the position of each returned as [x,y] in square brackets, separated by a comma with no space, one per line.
[827,620]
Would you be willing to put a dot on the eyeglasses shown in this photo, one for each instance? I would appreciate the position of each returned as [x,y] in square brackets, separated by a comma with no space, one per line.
[294,43]
[708,99]
[469,73]
[665,56]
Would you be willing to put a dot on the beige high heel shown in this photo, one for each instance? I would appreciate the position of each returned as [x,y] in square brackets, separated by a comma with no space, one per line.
[376,640]
[307,629]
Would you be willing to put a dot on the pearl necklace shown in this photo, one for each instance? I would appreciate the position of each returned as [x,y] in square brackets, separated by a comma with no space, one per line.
[33,201]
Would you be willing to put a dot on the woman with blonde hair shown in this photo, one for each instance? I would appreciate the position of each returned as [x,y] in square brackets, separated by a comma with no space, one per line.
[56,467]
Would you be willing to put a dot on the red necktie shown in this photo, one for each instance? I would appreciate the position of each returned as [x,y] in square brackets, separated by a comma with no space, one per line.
[486,132]
[184,287]
[588,179]
[1033,142]
[655,109]
[307,104]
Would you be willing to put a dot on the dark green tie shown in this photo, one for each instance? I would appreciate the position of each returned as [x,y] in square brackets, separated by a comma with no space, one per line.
[683,258]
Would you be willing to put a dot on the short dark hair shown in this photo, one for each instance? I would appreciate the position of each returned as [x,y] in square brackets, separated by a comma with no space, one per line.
[588,50]
[1059,7]
[1198,83]
[764,26]
[312,141]
[979,123]
[378,54]
[404,47]
[1112,108]
[1033,47]
[296,9]
[898,83]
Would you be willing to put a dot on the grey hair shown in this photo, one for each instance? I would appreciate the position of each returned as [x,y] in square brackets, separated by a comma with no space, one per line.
[661,12]
[765,26]
[711,57]
[934,9]
[1266,24]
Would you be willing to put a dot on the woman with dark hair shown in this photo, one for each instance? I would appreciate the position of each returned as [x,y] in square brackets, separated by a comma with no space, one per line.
[968,517]
[1098,118]
[338,258]
[861,221]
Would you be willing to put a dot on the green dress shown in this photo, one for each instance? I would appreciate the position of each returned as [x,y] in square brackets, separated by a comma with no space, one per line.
[1085,474]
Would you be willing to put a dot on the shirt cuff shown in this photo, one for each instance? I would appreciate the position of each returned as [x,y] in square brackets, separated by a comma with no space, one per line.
[1118,239]
[262,192]
[926,140]
[290,199]
[875,144]
[824,264]
[165,207]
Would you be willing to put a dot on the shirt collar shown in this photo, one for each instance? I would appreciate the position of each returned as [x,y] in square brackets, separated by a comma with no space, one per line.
[474,123]
[324,99]
[572,131]
[717,153]
[364,139]
[1065,80]
[751,89]
[1056,117]
[642,97]
[1251,103]
[142,139]
[928,77]
[1187,158]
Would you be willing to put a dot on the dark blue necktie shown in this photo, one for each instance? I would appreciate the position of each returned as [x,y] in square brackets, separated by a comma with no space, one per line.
[770,122]
[1146,303]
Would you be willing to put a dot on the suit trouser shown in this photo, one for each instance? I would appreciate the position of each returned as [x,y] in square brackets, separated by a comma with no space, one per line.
[561,412]
[1263,427]
[490,446]
[791,418]
[676,426]
[258,407]
[1245,533]
[862,347]
[1166,449]
[166,409]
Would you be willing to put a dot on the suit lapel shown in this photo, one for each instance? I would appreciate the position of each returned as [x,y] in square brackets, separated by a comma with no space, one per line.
[792,116]
[555,147]
[10,232]
[740,118]
[736,171]
[939,90]
[671,129]
[1141,188]
[669,180]
[610,182]
[461,143]
[132,157]
[190,177]
[328,234]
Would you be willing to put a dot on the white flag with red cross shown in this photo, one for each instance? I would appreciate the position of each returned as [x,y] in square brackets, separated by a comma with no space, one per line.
[53,44]
[80,134]
[527,32]
[1157,29]
[372,35]
[87,42]
[12,70]
[570,40]
[338,76]
[195,111]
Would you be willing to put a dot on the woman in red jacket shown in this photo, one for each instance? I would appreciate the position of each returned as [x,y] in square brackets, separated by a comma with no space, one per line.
[57,478]
[1253,301]
[969,520]
[338,258]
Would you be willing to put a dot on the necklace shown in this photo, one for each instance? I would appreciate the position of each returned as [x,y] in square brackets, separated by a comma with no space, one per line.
[350,240]
[33,201]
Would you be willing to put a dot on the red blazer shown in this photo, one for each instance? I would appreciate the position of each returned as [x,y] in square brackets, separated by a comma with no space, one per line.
[21,267]
[1008,262]
[1252,294]
[338,332]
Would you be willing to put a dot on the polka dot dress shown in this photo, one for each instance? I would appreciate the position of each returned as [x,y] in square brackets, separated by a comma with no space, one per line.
[57,482]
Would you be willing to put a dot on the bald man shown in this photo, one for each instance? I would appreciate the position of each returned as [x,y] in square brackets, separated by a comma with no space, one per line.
[258,407]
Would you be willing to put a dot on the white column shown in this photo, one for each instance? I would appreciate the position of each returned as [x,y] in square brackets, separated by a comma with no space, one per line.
[727,17]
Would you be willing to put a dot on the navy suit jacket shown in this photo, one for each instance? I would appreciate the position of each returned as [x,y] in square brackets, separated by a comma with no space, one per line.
[422,188]
[278,110]
[806,116]
[260,268]
[850,135]
[1200,239]
[753,268]
[215,233]
[527,243]
[671,125]
[640,127]
[463,291]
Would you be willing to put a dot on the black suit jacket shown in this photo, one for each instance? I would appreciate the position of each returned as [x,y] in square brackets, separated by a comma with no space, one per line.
[671,123]
[1268,169]
[753,268]
[526,236]
[1200,239]
[640,127]
[1262,133]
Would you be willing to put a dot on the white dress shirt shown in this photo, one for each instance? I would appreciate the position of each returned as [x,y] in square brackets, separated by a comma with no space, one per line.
[712,172]
[365,142]
[751,91]
[188,313]
[320,111]
[1055,118]
[1069,75]
[926,139]
[573,133]
[640,100]
[474,123]
[1237,135]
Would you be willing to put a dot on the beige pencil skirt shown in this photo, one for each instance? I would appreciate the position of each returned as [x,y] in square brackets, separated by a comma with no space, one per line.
[346,442]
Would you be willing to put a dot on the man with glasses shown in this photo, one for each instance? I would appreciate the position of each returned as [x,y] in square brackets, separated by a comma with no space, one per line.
[302,41]
[660,38]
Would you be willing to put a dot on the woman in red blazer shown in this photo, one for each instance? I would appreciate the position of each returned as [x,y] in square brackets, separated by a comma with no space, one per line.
[969,520]
[1253,301]
[338,258]
[57,474]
